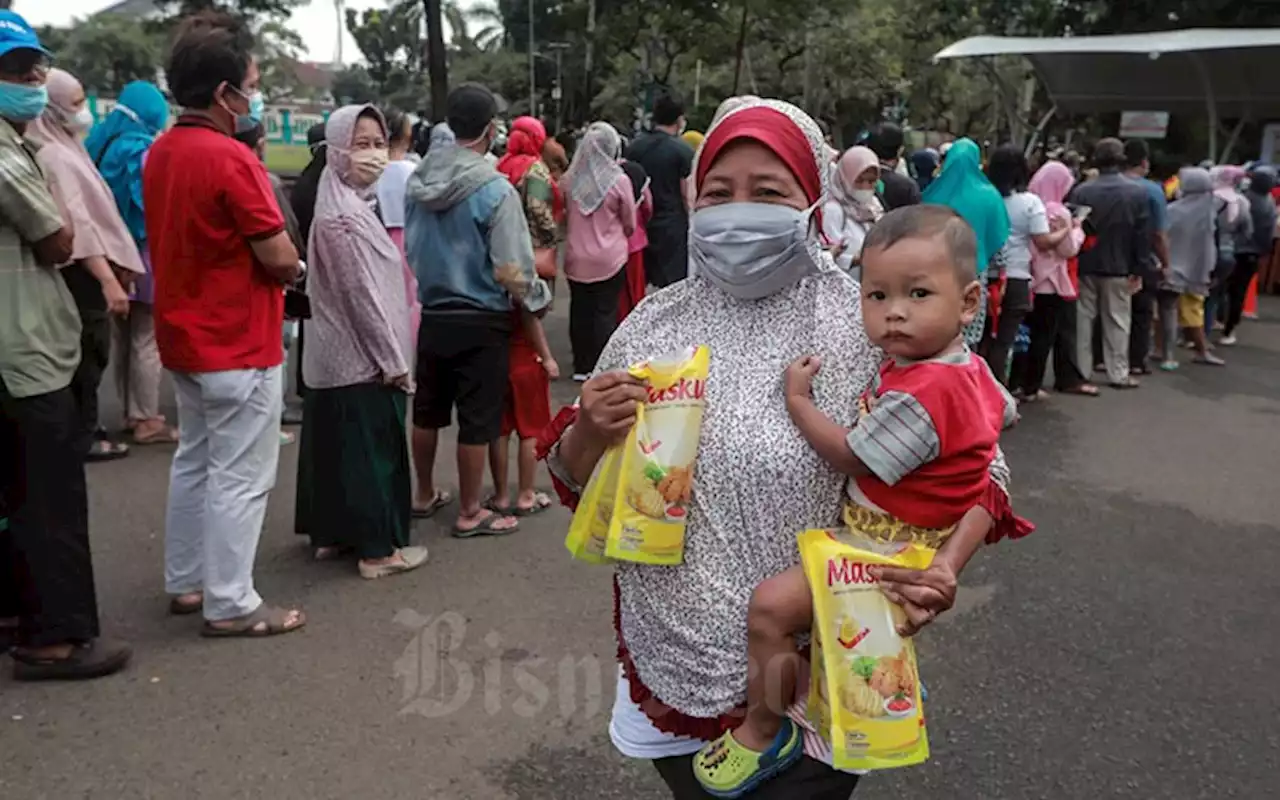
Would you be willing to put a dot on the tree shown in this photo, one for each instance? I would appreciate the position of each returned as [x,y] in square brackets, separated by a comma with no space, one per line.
[107,53]
[353,85]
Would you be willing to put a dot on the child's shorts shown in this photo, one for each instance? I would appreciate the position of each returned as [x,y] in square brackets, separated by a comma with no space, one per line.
[1190,311]
[528,408]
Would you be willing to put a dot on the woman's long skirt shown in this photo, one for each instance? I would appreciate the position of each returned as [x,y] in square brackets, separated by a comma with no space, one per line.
[353,470]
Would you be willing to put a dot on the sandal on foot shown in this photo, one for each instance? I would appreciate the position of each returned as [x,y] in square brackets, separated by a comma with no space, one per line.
[180,609]
[1210,360]
[1127,383]
[1081,389]
[541,502]
[489,525]
[1169,366]
[442,498]
[162,435]
[95,658]
[266,621]
[726,769]
[408,559]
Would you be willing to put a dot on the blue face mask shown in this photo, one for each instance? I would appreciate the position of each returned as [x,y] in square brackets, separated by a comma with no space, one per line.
[257,107]
[22,102]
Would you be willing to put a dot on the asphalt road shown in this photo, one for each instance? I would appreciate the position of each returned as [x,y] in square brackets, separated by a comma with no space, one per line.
[1128,649]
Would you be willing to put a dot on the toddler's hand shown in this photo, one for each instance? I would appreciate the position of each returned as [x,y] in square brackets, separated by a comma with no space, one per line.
[799,376]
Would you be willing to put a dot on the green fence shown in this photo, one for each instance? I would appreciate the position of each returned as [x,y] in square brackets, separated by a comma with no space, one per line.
[284,124]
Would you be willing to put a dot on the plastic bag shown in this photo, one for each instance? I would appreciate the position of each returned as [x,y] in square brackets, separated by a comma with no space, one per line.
[857,657]
[591,520]
[655,481]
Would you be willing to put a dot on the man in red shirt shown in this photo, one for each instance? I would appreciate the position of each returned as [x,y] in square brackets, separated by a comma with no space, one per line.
[221,259]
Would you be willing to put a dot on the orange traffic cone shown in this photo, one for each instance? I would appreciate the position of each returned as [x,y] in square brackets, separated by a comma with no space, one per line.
[1251,300]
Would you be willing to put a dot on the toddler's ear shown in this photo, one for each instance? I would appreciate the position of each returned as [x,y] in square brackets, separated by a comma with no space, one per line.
[972,300]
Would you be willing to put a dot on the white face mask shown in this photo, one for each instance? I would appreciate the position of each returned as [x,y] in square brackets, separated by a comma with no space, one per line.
[80,121]
[863,197]
[751,250]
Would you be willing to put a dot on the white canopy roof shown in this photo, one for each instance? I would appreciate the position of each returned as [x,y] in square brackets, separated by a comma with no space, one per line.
[1189,71]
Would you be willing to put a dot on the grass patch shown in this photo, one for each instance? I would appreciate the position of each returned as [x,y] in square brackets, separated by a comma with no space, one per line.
[287,159]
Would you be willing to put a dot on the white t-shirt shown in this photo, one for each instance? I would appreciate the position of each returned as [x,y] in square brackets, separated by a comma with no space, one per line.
[391,188]
[1027,218]
[842,230]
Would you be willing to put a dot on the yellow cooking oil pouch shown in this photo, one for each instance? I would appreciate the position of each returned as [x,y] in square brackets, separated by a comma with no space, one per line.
[655,479]
[864,696]
[591,519]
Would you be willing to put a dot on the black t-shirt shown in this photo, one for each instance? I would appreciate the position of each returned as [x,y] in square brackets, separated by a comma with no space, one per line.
[899,190]
[667,160]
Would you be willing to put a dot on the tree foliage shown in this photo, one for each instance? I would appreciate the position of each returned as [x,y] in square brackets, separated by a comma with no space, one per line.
[107,54]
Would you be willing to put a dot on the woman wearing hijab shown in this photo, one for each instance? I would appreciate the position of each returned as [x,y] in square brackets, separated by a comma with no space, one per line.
[694,139]
[601,220]
[1194,221]
[105,255]
[924,163]
[962,185]
[1238,227]
[303,196]
[853,208]
[118,146]
[635,284]
[1249,250]
[353,468]
[682,630]
[1053,312]
[524,167]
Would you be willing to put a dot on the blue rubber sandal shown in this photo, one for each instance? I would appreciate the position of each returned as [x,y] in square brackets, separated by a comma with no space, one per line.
[728,770]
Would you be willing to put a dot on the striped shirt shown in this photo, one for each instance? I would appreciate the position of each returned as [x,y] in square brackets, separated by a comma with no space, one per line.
[39,324]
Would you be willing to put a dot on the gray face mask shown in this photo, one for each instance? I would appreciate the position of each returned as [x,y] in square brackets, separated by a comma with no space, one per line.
[751,250]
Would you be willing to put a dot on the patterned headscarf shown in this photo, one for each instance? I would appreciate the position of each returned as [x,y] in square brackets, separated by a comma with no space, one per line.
[595,167]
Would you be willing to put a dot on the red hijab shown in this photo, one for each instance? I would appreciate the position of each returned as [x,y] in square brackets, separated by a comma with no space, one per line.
[524,148]
[774,130]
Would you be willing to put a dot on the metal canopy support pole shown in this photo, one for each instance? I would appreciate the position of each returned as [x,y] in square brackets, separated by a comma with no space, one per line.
[1231,141]
[1035,135]
[1211,104]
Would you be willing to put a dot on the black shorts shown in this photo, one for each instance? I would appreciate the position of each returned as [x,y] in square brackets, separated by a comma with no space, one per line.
[462,361]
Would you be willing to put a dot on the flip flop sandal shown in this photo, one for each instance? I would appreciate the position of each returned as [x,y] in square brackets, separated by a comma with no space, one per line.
[442,499]
[1125,384]
[410,559]
[96,658]
[1082,390]
[726,769]
[485,528]
[181,609]
[541,502]
[106,450]
[332,553]
[165,435]
[273,620]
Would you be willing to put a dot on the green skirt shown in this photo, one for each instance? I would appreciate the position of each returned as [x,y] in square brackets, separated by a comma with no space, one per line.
[353,470]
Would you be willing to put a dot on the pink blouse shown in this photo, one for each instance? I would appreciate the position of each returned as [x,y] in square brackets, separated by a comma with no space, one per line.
[597,243]
[1049,273]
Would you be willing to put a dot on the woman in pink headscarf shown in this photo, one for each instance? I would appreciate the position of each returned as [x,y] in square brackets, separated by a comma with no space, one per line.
[105,257]
[1053,286]
[853,208]
[353,466]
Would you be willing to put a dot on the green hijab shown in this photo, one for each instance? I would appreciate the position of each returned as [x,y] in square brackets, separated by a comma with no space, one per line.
[962,186]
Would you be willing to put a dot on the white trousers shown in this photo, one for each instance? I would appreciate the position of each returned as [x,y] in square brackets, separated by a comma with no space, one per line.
[222,474]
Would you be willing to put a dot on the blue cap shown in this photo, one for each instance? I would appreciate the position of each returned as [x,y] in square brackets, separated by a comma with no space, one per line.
[16,34]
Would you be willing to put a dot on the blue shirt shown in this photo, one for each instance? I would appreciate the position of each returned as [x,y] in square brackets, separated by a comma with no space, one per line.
[1157,205]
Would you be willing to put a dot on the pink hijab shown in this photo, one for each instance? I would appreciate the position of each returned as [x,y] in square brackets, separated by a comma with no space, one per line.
[361,316]
[82,195]
[1051,183]
[854,162]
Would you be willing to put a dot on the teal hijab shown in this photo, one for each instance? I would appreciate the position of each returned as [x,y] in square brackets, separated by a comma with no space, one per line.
[118,143]
[962,186]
